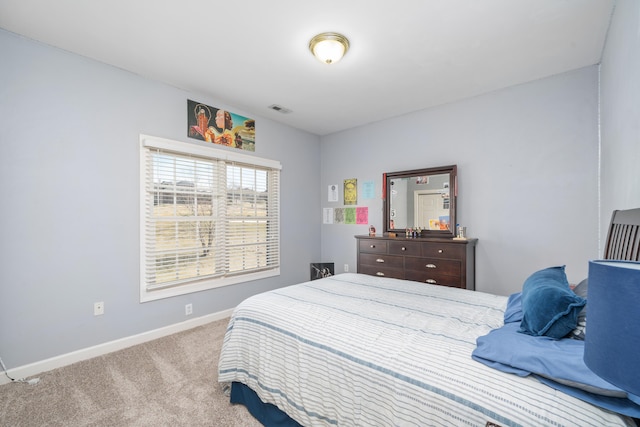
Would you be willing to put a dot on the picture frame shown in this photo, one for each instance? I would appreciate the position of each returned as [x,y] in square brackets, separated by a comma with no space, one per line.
[320,270]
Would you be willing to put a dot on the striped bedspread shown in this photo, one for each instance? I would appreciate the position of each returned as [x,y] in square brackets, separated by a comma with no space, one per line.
[357,350]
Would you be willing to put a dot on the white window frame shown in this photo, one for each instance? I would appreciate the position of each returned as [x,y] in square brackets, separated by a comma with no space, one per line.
[206,152]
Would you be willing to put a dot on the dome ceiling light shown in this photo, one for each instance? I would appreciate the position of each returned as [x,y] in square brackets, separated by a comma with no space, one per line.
[329,47]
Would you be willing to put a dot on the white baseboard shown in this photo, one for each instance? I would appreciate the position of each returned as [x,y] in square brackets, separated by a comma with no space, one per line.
[108,347]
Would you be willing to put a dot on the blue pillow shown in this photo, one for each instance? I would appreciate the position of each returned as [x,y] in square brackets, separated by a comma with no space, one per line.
[549,306]
[513,312]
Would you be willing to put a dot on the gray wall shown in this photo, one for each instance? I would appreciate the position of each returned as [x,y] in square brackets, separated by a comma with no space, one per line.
[620,117]
[527,161]
[69,130]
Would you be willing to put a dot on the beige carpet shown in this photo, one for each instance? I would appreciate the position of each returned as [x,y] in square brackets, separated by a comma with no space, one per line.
[171,381]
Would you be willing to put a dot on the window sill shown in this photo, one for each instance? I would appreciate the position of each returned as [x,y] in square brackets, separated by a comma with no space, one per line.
[203,285]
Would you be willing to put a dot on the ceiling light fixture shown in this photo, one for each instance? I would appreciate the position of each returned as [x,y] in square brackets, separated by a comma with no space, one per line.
[329,47]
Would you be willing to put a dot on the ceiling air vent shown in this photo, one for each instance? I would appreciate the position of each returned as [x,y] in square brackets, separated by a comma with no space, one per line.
[279,109]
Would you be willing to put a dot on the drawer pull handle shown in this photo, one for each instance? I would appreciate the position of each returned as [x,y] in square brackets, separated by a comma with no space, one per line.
[440,251]
[379,260]
[372,246]
[430,266]
[404,249]
[379,273]
[433,282]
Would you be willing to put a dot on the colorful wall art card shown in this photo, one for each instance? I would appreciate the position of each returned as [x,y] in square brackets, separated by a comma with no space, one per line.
[351,191]
[368,190]
[362,215]
[338,216]
[219,126]
[349,215]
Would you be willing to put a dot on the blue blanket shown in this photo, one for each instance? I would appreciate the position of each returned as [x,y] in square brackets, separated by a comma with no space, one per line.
[557,363]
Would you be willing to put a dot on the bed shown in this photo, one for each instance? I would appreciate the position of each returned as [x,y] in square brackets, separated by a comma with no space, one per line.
[359,350]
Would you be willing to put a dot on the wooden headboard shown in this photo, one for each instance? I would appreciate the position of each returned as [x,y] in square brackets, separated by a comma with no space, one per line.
[623,237]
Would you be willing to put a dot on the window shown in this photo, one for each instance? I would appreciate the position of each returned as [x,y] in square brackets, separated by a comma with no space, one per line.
[209,218]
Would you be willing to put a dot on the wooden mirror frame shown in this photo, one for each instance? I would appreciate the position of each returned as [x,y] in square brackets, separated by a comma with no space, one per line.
[452,170]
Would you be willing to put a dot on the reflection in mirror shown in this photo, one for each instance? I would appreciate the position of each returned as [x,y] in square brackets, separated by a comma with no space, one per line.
[421,198]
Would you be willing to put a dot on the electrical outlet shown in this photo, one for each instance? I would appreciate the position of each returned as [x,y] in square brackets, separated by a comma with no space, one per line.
[188,310]
[346,268]
[98,308]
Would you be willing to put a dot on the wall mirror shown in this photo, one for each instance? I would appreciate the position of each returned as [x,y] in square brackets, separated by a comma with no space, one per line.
[421,198]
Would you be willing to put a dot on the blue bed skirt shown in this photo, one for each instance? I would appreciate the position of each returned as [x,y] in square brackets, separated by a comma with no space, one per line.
[269,415]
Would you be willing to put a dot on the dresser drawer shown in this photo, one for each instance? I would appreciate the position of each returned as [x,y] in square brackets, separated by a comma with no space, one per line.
[372,246]
[405,248]
[437,266]
[434,278]
[381,271]
[381,260]
[443,250]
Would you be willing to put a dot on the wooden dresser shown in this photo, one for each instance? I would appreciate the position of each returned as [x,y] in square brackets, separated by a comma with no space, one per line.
[439,261]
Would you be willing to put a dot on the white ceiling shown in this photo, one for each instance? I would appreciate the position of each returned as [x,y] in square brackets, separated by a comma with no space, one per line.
[405,55]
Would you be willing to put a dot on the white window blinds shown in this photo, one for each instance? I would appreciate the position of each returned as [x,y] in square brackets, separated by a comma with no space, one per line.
[210,218]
